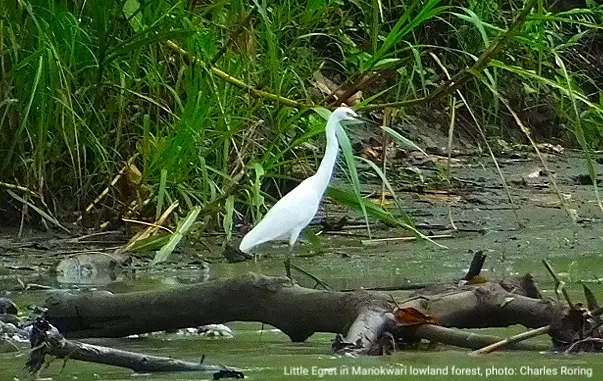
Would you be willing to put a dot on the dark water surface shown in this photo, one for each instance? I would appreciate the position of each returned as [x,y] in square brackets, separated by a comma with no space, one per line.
[575,251]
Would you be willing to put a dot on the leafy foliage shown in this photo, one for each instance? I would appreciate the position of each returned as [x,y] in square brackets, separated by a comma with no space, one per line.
[86,86]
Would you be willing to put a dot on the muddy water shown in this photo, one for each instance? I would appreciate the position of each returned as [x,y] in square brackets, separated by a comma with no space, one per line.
[486,221]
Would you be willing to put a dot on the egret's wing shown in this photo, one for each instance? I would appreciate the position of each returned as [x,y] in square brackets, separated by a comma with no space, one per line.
[295,210]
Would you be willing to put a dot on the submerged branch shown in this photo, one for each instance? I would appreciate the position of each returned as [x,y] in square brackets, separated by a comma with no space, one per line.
[48,341]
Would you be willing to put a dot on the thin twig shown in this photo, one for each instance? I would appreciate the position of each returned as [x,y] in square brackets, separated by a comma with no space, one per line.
[579,342]
[319,282]
[512,340]
[105,191]
[559,284]
[45,215]
[147,224]
[387,121]
[484,138]
[363,83]
[450,137]
[526,132]
[20,188]
[231,36]
[232,80]
[377,241]
[401,287]
[152,229]
[492,156]
[83,238]
[22,224]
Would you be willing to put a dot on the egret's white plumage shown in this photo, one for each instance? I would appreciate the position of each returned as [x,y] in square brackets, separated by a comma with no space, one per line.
[291,214]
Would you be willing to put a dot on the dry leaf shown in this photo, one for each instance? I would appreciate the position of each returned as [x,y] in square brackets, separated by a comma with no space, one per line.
[411,316]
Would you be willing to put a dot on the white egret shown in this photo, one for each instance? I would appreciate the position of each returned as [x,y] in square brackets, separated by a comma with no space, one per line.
[292,213]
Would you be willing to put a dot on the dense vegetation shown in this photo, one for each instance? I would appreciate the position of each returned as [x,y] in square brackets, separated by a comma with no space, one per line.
[206,102]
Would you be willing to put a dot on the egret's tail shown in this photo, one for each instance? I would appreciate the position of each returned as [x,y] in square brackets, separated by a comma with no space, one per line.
[246,245]
[257,236]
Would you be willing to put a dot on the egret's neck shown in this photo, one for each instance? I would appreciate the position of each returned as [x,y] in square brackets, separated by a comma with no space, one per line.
[325,170]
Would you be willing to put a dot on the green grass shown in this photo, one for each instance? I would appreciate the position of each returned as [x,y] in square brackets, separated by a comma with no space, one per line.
[210,100]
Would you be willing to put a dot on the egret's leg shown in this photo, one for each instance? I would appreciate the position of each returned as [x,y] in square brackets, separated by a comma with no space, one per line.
[292,239]
[288,262]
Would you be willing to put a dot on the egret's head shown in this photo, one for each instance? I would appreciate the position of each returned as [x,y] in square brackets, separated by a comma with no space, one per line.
[346,116]
[343,114]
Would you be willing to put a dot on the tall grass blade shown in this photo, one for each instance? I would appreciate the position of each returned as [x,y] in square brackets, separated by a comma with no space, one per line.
[348,154]
[579,131]
[181,230]
[228,217]
[161,194]
[42,213]
[404,141]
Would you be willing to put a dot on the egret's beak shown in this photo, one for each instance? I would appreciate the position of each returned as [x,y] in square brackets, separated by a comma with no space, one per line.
[359,120]
[365,120]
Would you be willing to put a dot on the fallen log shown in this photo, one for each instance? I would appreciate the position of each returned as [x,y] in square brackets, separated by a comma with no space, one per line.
[295,310]
[299,312]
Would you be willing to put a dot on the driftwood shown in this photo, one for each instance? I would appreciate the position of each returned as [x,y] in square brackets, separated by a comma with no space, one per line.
[46,340]
[299,312]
